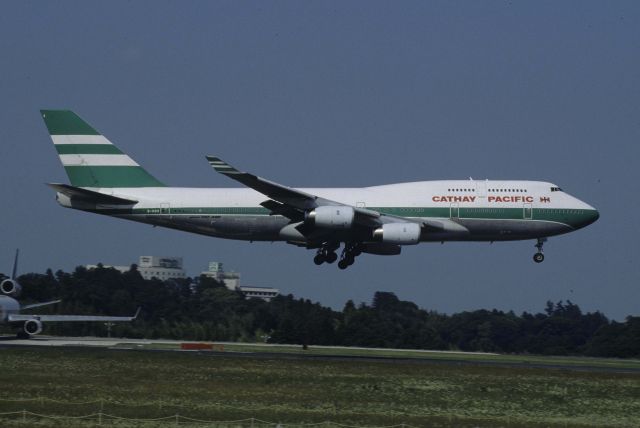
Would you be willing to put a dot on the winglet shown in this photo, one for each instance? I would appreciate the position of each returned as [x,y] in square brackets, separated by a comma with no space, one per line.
[221,166]
[136,314]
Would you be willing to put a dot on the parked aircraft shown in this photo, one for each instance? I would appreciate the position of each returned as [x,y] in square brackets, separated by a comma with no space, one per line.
[376,220]
[11,310]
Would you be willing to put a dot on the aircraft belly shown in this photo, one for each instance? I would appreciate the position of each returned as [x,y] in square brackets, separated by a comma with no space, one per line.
[248,227]
[242,227]
[501,230]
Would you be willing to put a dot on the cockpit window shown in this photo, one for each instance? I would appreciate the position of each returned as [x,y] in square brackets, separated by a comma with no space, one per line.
[556,189]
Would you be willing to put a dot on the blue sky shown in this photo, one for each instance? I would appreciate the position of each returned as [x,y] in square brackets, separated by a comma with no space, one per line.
[315,94]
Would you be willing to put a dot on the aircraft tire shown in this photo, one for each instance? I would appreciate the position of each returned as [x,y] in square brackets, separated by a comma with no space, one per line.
[538,257]
[319,259]
[342,264]
[331,257]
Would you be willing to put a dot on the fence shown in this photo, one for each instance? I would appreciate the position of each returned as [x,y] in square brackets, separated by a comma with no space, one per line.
[103,418]
[177,420]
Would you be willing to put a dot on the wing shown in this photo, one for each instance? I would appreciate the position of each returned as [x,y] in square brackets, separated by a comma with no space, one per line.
[283,194]
[37,305]
[286,198]
[71,318]
[293,203]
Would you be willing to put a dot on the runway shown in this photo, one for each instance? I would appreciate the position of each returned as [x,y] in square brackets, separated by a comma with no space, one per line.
[333,353]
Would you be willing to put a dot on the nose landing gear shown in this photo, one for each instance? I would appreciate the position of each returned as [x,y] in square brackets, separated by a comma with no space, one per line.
[539,256]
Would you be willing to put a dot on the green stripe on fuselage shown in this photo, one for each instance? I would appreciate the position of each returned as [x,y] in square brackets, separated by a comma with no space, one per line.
[87,149]
[575,218]
[110,176]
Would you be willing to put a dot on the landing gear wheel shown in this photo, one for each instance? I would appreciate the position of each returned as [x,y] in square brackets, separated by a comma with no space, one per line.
[539,257]
[326,253]
[342,264]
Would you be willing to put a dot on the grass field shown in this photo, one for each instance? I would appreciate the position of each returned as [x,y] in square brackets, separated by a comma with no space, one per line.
[143,384]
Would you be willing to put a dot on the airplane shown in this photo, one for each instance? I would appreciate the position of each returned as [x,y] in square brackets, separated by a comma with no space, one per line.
[375,220]
[10,309]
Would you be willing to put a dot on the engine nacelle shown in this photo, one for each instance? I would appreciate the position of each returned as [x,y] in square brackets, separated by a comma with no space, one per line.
[332,217]
[10,287]
[33,327]
[398,233]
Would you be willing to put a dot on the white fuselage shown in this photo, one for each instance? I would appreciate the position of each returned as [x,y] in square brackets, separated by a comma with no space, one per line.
[488,210]
[8,306]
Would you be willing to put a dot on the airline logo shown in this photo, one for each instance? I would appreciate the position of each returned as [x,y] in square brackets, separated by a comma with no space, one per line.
[490,199]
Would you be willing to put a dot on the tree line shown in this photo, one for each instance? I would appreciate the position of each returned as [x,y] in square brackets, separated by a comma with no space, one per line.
[204,309]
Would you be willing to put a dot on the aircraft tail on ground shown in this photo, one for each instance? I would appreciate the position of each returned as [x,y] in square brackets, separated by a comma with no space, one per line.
[89,158]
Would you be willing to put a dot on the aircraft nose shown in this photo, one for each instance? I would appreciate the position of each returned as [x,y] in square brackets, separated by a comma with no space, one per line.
[590,216]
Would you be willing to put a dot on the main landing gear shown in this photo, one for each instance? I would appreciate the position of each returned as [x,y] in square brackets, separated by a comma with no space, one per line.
[326,253]
[539,256]
[349,254]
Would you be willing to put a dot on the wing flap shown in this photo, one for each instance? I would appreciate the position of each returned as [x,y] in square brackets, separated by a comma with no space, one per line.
[277,208]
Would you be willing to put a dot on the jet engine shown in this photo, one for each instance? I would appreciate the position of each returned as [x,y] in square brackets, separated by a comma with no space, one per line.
[398,233]
[332,217]
[33,327]
[10,287]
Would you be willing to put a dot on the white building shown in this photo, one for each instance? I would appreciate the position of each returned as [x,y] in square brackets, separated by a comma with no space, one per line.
[216,271]
[232,281]
[160,267]
[264,293]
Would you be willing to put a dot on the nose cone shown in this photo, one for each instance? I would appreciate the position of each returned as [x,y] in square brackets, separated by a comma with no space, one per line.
[588,215]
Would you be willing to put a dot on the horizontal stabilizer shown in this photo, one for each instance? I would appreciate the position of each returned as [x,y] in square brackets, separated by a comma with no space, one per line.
[89,195]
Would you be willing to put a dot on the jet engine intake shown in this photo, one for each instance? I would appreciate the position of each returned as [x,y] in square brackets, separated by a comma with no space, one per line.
[332,217]
[10,287]
[398,233]
[33,327]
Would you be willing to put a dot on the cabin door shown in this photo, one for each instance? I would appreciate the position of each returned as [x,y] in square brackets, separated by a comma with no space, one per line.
[527,212]
[455,210]
[481,188]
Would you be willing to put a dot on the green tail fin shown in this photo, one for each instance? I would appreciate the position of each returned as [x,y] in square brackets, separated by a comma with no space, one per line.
[89,159]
